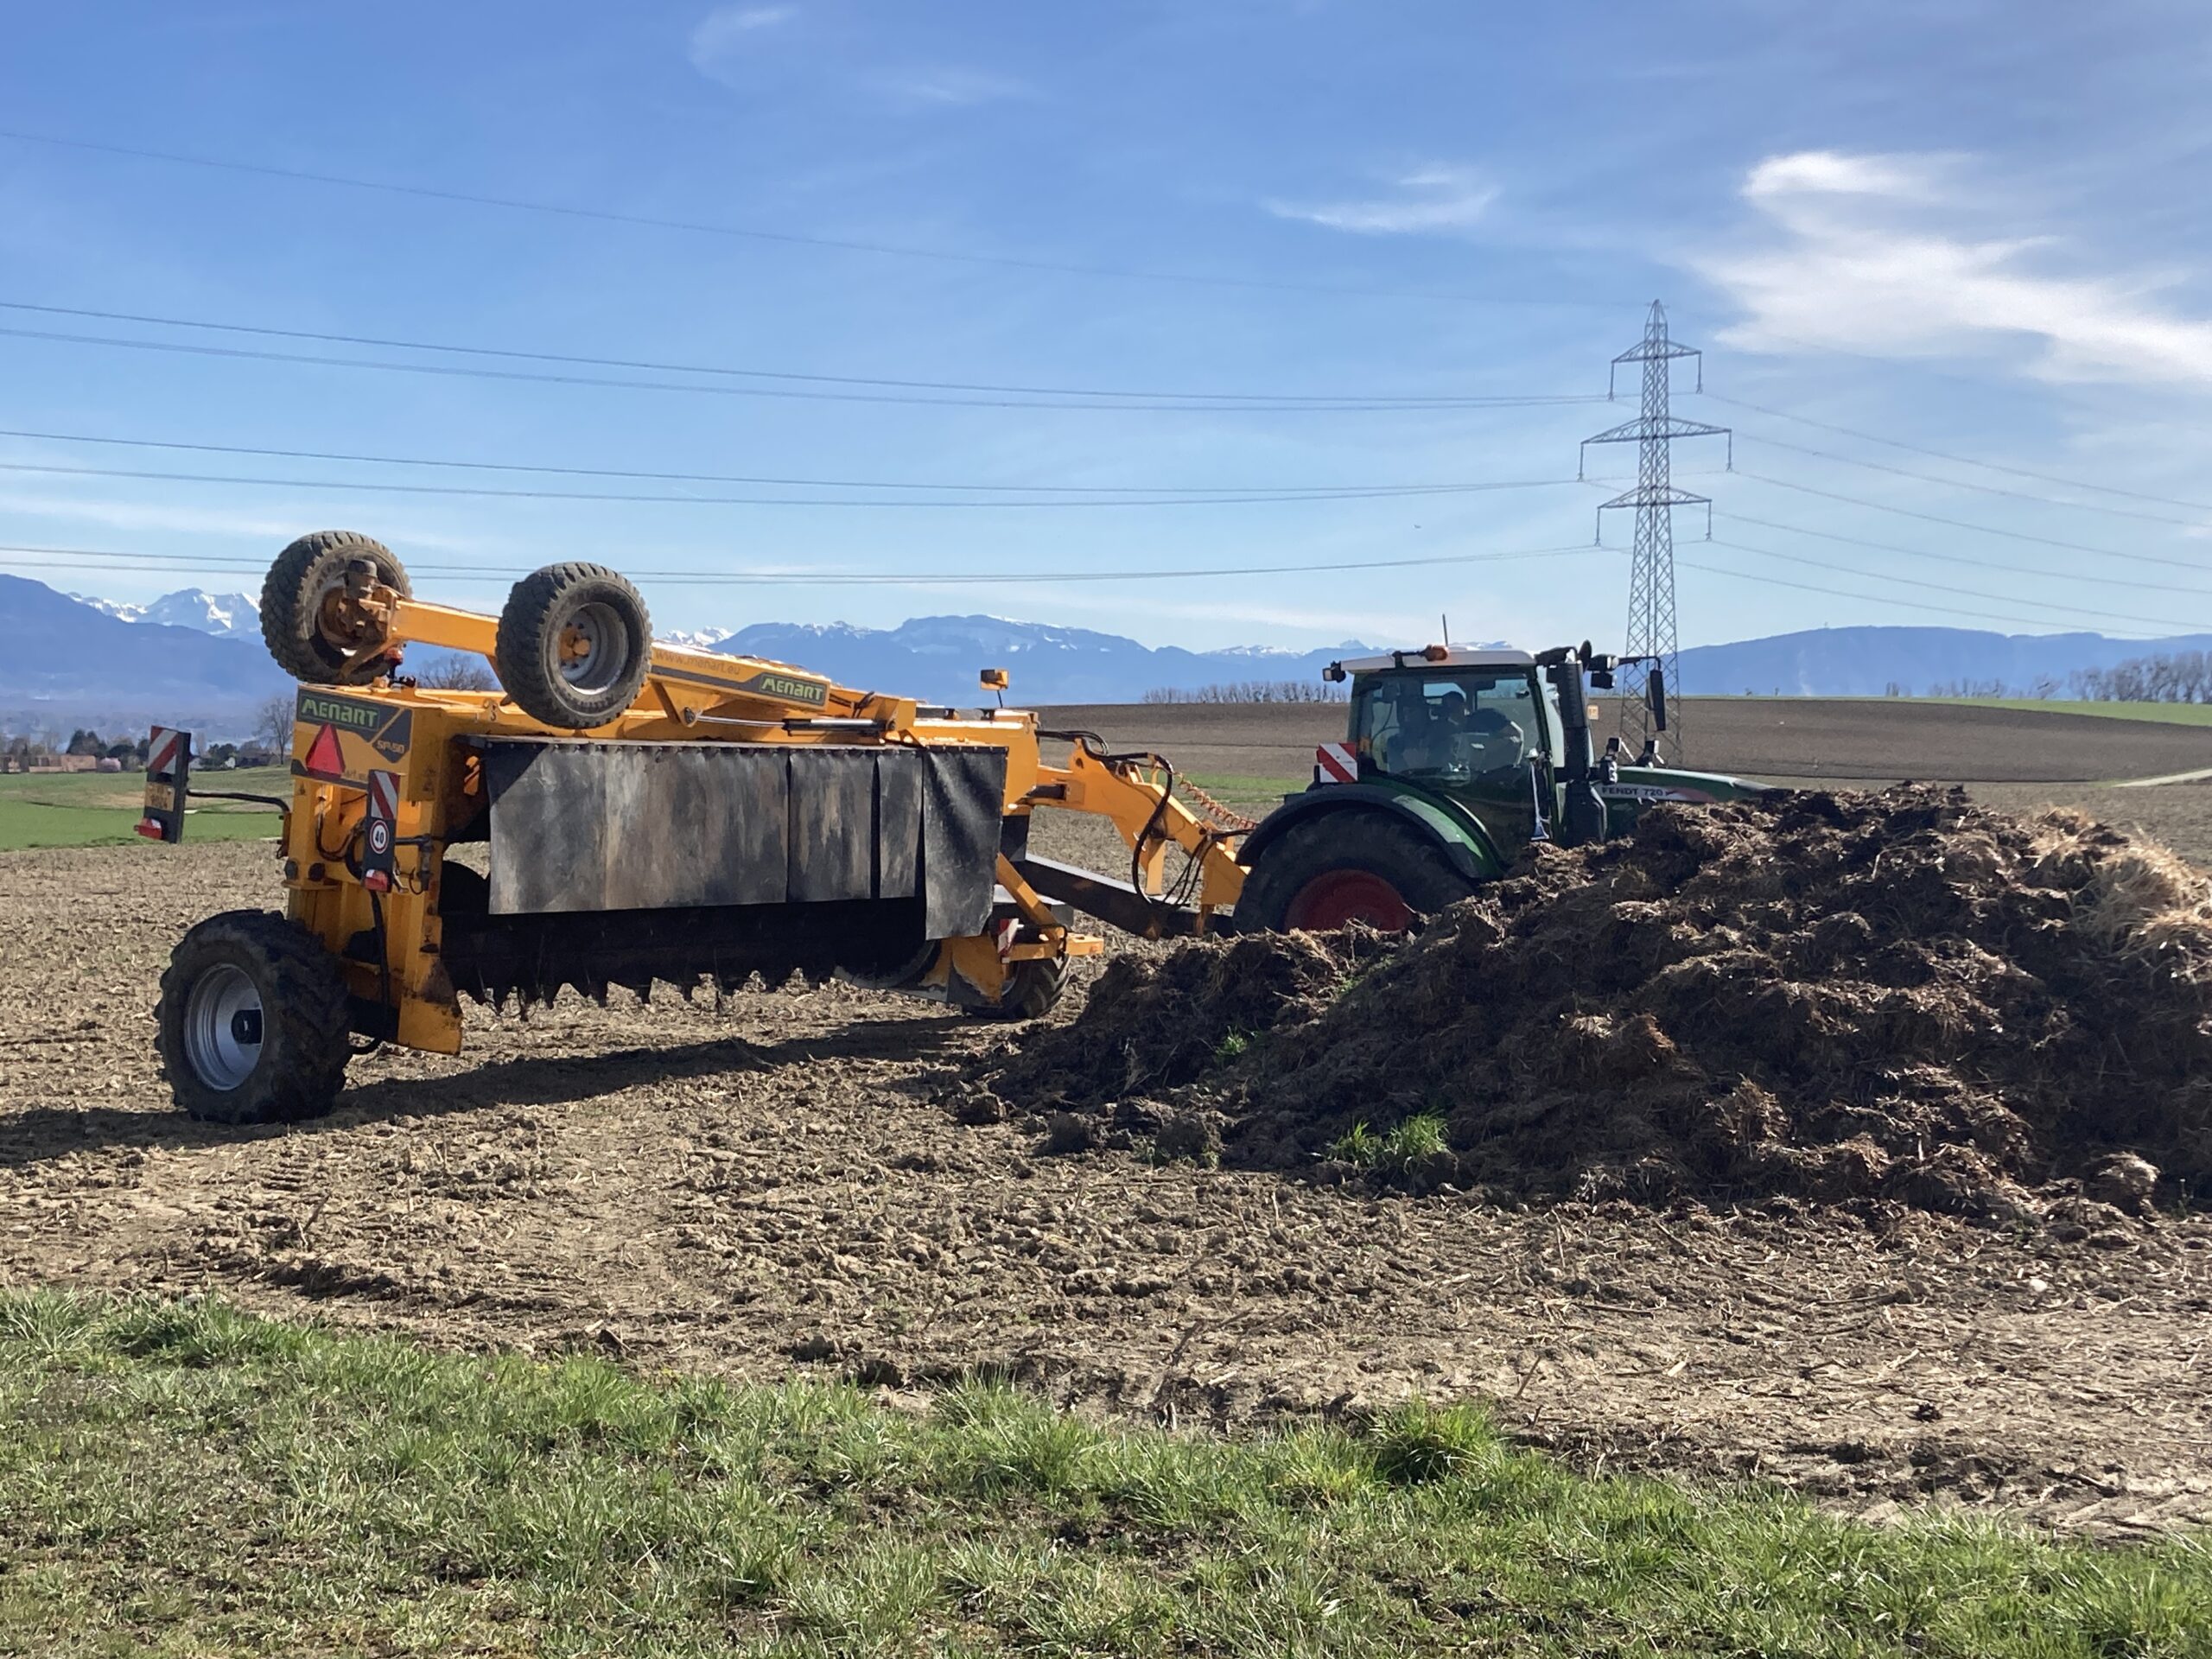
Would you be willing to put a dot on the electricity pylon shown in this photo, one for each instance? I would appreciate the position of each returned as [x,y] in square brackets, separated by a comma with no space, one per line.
[1651,631]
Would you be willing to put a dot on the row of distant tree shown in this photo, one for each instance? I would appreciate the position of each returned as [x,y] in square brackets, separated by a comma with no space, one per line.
[2168,677]
[2175,676]
[271,743]
[26,749]
[2180,677]
[1250,691]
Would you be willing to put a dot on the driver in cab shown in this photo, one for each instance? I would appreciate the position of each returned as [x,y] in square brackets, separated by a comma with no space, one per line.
[1436,733]
[1456,737]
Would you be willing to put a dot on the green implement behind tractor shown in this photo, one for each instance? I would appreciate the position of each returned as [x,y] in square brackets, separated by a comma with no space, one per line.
[1455,761]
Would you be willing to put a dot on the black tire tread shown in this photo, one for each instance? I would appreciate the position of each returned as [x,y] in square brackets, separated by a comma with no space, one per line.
[295,583]
[1367,840]
[305,1012]
[1032,990]
[524,659]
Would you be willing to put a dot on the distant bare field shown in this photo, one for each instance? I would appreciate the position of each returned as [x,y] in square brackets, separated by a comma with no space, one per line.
[2019,759]
[1847,741]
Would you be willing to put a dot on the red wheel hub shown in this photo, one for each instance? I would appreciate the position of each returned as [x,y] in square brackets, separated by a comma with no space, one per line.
[1336,897]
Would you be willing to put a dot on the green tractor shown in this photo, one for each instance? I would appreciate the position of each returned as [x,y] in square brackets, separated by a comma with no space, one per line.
[1455,761]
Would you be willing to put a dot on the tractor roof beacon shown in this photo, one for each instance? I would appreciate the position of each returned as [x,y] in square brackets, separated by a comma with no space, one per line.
[656,812]
[1454,760]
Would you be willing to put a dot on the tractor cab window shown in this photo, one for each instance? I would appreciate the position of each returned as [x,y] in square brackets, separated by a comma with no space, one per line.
[1448,725]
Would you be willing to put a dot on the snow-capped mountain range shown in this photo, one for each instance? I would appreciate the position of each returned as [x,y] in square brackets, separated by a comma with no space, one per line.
[227,616]
[196,658]
[938,656]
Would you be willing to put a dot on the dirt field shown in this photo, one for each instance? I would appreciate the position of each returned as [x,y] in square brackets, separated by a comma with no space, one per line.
[2016,759]
[1861,740]
[787,1179]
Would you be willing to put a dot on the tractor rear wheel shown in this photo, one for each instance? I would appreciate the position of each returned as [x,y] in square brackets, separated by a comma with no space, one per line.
[307,622]
[574,645]
[1348,867]
[253,1021]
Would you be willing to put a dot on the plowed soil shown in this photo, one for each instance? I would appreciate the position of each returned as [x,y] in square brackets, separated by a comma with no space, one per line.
[1835,740]
[803,1179]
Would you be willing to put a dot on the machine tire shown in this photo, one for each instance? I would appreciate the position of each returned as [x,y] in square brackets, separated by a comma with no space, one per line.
[249,980]
[294,625]
[554,612]
[1348,866]
[1032,990]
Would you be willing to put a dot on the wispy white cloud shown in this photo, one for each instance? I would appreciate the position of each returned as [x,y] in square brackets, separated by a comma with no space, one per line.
[732,43]
[1892,254]
[949,86]
[726,29]
[1427,200]
[1828,171]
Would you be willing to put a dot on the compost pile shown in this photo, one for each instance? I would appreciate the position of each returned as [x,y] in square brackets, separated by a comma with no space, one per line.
[1899,998]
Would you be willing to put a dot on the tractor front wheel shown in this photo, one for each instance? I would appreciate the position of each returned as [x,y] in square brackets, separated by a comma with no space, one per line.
[253,1021]
[1348,867]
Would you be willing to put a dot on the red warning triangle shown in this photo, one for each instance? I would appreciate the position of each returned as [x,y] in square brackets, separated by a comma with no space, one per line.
[325,757]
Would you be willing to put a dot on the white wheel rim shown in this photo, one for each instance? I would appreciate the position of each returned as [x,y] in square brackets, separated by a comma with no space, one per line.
[222,1027]
[589,651]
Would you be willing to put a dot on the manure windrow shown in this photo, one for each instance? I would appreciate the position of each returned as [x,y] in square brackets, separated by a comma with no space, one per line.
[1897,997]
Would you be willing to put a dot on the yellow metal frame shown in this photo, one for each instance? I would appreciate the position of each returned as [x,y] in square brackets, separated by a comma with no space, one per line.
[688,696]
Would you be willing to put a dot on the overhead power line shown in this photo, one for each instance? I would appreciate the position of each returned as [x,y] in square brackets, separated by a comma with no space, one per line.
[2068,609]
[1968,484]
[73,558]
[935,502]
[950,255]
[1982,615]
[1967,524]
[2094,578]
[1393,400]
[1175,490]
[1964,460]
[484,373]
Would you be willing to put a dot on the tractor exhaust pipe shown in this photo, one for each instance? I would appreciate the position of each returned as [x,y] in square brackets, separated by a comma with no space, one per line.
[1582,809]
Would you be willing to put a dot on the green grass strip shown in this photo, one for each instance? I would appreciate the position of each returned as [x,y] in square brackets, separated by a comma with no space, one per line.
[186,1479]
[98,809]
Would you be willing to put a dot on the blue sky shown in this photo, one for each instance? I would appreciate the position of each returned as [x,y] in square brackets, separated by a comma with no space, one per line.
[1972,228]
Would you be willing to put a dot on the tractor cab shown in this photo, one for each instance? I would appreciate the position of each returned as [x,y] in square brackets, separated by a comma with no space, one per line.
[1482,728]
[1453,761]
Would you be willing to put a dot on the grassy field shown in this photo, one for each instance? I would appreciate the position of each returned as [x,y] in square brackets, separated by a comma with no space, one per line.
[181,1478]
[92,809]
[2170,714]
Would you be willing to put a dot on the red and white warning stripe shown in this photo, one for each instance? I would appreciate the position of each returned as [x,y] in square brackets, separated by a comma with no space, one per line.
[383,795]
[164,746]
[1336,763]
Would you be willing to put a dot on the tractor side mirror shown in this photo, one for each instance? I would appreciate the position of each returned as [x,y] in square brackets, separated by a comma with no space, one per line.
[1655,697]
[993,679]
[1601,679]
